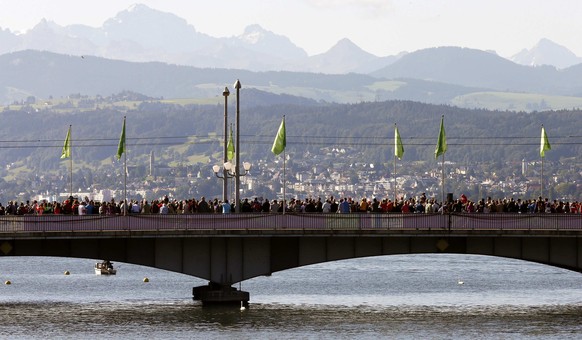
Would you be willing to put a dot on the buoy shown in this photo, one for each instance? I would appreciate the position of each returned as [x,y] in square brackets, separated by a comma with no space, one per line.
[145,279]
[242,306]
[67,272]
[7,282]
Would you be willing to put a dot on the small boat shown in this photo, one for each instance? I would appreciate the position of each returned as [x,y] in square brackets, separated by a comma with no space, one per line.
[105,268]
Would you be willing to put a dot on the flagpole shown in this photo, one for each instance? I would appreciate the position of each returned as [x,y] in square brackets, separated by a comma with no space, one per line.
[394,172]
[441,149]
[542,154]
[284,182]
[279,147]
[542,180]
[544,146]
[284,177]
[398,152]
[443,181]
[122,150]
[124,178]
[71,161]
[394,177]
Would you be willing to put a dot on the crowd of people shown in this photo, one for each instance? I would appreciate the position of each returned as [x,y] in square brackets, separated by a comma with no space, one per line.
[347,205]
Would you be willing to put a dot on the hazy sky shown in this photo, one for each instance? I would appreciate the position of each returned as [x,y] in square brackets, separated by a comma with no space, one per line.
[381,27]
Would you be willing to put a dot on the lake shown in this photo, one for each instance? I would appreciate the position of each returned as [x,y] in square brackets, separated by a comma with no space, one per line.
[398,296]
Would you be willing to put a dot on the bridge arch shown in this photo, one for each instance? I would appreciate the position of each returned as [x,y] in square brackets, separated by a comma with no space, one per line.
[230,259]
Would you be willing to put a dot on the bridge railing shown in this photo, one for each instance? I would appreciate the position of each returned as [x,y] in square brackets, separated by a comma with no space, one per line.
[516,221]
[98,223]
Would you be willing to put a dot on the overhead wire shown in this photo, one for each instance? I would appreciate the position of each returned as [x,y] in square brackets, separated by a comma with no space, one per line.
[291,140]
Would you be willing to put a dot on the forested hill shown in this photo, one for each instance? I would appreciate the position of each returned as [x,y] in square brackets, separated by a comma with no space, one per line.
[182,134]
[472,135]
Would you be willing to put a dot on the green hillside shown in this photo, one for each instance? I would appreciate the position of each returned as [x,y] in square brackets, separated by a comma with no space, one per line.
[516,101]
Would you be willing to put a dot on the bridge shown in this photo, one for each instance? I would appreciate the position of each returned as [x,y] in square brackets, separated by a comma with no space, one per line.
[227,249]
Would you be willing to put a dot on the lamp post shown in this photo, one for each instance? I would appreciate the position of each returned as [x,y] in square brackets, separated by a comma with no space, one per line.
[230,170]
[237,86]
[225,174]
[225,93]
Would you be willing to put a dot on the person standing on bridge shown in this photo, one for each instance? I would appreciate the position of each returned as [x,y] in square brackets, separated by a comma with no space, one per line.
[266,207]
[226,207]
[145,207]
[275,206]
[75,208]
[164,210]
[326,207]
[82,210]
[344,206]
[364,205]
[135,208]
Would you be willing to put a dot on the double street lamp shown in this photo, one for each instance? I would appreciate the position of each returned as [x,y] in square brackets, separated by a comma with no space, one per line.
[230,170]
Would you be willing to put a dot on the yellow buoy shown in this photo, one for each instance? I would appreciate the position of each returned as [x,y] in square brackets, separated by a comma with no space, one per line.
[7,282]
[145,279]
[67,272]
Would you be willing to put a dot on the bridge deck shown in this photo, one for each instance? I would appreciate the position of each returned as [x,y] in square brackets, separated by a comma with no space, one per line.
[58,226]
[226,249]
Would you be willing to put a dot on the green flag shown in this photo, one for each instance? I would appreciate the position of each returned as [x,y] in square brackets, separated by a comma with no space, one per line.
[230,147]
[398,147]
[280,140]
[66,153]
[544,143]
[441,146]
[121,145]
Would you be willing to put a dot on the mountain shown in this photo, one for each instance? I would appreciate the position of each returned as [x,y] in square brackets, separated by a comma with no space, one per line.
[456,65]
[45,75]
[153,30]
[143,34]
[345,57]
[547,52]
[8,40]
[476,68]
[257,39]
[177,61]
[48,36]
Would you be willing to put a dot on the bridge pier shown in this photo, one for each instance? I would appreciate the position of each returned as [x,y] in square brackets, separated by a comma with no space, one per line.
[216,294]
